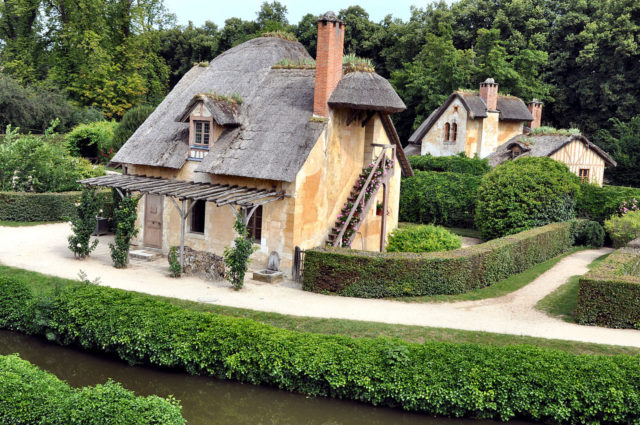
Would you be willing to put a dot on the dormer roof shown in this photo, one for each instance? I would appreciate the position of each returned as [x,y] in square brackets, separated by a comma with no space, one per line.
[224,111]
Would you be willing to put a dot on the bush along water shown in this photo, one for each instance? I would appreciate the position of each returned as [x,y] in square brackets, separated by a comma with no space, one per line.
[422,238]
[437,378]
[125,222]
[237,258]
[84,224]
[29,395]
[353,226]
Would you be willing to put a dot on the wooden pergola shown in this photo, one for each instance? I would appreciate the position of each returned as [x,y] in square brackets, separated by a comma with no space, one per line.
[241,199]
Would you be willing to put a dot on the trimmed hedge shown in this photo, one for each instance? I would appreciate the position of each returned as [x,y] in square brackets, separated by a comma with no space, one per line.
[422,238]
[609,295]
[599,203]
[29,395]
[436,378]
[431,197]
[375,275]
[461,164]
[29,206]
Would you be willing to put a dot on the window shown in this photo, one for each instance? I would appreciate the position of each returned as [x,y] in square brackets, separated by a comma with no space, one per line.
[197,217]
[454,132]
[202,131]
[254,227]
[583,173]
[447,130]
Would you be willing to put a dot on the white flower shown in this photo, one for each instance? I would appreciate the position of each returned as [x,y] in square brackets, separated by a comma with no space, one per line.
[100,211]
[77,204]
[71,223]
[79,245]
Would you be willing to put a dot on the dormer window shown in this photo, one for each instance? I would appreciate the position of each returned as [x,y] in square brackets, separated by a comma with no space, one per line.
[202,132]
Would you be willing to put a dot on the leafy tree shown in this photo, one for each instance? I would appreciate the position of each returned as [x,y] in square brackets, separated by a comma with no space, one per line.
[622,141]
[129,124]
[272,16]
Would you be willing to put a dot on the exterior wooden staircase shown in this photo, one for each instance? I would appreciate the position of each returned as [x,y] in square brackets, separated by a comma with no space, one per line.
[362,197]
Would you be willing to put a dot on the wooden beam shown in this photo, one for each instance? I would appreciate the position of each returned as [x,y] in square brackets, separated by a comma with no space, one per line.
[370,115]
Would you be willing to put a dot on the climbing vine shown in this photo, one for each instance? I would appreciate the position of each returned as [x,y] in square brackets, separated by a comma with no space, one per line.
[237,257]
[125,218]
[84,224]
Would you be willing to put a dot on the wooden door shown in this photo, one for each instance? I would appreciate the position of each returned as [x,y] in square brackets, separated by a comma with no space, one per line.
[153,221]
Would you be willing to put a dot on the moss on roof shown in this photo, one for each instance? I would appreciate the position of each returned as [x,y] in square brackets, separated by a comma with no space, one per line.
[285,35]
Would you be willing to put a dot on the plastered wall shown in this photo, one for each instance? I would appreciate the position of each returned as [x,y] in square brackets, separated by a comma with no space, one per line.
[434,141]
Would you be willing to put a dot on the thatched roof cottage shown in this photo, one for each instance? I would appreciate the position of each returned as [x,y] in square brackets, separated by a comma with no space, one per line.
[277,137]
[583,157]
[474,123]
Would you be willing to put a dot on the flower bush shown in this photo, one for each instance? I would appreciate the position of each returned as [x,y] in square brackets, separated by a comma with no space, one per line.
[125,218]
[624,229]
[376,181]
[627,206]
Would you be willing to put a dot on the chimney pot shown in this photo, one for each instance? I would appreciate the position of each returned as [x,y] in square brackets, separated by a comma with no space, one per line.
[535,107]
[328,61]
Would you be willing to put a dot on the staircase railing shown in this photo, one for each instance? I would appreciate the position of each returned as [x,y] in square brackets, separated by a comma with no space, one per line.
[338,239]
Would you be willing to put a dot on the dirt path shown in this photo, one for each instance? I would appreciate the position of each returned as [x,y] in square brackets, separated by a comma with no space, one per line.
[44,249]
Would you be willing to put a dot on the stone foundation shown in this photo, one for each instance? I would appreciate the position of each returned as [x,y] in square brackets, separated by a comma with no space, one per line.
[206,265]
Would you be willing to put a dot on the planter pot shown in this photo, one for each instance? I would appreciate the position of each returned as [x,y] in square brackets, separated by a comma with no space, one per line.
[102,227]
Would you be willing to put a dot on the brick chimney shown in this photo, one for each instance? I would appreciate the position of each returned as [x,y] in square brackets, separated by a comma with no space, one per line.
[328,61]
[535,107]
[489,93]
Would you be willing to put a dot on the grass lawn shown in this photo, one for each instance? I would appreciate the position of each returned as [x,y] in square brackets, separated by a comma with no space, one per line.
[7,223]
[504,287]
[469,233]
[563,301]
[42,283]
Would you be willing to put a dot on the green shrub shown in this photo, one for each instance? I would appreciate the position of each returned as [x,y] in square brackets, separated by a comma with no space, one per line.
[423,238]
[130,123]
[84,224]
[21,206]
[448,199]
[124,217]
[40,164]
[523,194]
[587,233]
[394,274]
[609,295]
[460,163]
[94,140]
[599,203]
[29,395]
[624,229]
[175,269]
[437,378]
[237,258]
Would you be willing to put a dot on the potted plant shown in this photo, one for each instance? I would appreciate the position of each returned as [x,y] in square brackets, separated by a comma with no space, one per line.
[379,207]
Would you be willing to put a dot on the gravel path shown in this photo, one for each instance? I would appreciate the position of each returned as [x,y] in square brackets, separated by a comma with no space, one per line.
[44,249]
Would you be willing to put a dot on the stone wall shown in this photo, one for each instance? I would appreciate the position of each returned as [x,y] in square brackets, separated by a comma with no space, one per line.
[206,265]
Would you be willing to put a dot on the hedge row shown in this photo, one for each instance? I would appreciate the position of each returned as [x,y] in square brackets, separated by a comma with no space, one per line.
[455,164]
[431,197]
[29,206]
[609,294]
[599,203]
[374,275]
[436,378]
[29,396]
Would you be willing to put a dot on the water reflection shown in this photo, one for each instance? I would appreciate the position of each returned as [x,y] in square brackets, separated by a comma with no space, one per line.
[208,401]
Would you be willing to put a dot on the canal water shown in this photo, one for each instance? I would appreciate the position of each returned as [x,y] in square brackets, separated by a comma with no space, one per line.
[208,401]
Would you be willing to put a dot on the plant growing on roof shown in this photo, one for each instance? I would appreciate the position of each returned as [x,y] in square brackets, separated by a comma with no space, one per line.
[285,35]
[237,257]
[354,63]
[125,218]
[84,224]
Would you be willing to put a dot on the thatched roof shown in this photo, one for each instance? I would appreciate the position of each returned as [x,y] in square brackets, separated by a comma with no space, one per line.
[161,141]
[224,112]
[366,90]
[542,145]
[270,134]
[510,108]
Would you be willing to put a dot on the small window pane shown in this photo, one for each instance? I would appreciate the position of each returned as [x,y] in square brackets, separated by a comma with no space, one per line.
[205,139]
[198,133]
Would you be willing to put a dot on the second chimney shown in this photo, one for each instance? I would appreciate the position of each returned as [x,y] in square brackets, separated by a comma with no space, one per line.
[489,93]
[328,61]
[535,107]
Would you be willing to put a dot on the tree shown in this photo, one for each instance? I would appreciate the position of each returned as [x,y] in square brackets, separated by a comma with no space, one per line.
[622,141]
[272,16]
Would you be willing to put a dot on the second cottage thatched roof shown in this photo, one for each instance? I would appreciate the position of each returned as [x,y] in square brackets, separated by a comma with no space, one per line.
[271,133]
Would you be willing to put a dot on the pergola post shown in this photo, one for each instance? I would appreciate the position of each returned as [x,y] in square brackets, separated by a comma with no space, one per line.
[183,223]
[383,229]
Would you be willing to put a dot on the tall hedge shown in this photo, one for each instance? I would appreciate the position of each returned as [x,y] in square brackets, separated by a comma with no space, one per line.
[444,198]
[435,377]
[460,163]
[523,194]
[599,203]
[375,275]
[29,395]
[609,295]
[29,206]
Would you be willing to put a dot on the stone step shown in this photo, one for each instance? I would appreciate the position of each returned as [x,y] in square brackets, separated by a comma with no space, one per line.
[141,254]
